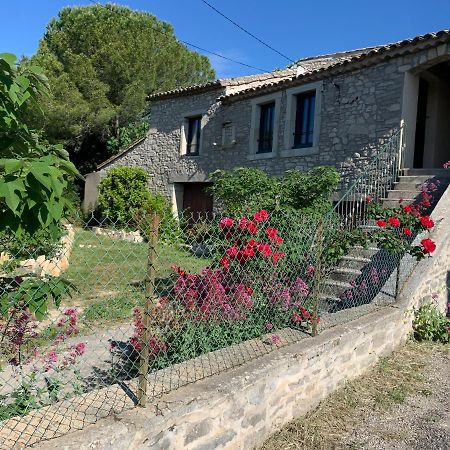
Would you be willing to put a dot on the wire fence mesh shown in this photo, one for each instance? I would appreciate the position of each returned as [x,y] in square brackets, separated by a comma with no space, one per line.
[113,315]
[121,313]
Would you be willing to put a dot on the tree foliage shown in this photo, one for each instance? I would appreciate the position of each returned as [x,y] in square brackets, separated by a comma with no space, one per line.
[33,176]
[101,62]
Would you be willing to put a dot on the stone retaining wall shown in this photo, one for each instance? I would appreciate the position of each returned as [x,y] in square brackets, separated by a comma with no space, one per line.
[240,408]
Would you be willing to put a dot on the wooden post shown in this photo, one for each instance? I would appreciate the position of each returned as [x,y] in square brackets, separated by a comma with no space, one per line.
[317,279]
[149,305]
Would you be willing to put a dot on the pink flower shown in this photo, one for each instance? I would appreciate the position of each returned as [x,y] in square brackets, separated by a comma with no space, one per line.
[226,222]
[79,348]
[275,339]
[310,269]
[70,312]
[261,216]
[269,326]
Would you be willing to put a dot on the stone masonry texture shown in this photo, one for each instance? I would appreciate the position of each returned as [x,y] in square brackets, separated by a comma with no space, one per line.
[359,109]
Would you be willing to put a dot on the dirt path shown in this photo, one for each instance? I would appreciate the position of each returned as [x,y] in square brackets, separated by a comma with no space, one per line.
[402,404]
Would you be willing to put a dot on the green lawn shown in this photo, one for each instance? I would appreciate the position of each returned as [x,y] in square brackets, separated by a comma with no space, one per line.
[109,274]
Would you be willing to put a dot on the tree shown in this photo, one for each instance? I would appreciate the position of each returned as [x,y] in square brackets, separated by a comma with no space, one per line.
[101,62]
[33,175]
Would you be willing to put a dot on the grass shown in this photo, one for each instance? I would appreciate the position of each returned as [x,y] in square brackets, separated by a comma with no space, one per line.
[109,274]
[388,384]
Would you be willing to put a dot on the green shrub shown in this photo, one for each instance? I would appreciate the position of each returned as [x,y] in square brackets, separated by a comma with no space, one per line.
[126,200]
[243,190]
[430,324]
[123,192]
[169,228]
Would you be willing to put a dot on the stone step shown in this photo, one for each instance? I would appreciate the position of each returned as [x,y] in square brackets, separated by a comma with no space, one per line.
[329,300]
[408,185]
[353,262]
[390,203]
[414,178]
[397,194]
[345,274]
[431,172]
[335,288]
[361,252]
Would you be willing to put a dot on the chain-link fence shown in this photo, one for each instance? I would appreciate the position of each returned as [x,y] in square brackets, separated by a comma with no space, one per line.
[117,314]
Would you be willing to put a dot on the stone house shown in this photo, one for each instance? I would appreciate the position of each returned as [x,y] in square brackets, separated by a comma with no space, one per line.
[332,109]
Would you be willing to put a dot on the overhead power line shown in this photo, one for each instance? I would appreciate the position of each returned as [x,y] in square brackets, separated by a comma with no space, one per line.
[247,32]
[198,47]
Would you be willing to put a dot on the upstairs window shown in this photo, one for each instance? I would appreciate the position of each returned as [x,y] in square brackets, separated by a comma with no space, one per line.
[304,120]
[266,127]
[193,135]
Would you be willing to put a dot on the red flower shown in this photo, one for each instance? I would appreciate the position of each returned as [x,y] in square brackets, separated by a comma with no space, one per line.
[265,249]
[428,245]
[278,240]
[248,252]
[407,231]
[277,256]
[272,233]
[369,199]
[305,313]
[261,216]
[243,222]
[251,227]
[232,251]
[393,221]
[427,222]
[407,209]
[226,222]
[252,243]
[381,223]
[296,317]
[224,262]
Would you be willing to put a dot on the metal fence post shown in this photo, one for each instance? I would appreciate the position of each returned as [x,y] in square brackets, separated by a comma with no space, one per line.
[149,304]
[317,279]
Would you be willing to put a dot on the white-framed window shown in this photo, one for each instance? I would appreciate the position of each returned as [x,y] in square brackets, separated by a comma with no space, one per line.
[301,137]
[191,133]
[264,126]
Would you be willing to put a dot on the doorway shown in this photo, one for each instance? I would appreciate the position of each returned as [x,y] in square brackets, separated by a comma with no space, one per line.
[432,127]
[197,201]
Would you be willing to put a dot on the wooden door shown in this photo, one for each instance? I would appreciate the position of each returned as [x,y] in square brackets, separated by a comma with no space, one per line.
[196,200]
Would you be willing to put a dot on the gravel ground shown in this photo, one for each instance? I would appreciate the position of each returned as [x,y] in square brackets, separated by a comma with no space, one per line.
[402,404]
[422,421]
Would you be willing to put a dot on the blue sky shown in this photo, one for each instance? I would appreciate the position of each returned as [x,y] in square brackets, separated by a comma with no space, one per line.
[297,28]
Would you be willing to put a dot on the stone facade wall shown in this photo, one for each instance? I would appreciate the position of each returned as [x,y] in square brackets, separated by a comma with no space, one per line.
[240,408]
[359,109]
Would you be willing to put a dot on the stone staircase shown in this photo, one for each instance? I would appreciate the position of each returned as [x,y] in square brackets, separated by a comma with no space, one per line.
[360,265]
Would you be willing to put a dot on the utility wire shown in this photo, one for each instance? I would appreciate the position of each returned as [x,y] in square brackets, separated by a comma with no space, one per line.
[246,31]
[197,47]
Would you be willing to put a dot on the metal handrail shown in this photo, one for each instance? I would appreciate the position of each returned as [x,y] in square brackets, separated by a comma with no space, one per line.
[372,184]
